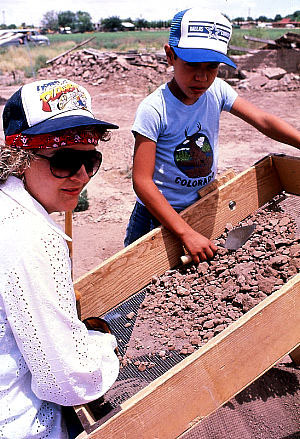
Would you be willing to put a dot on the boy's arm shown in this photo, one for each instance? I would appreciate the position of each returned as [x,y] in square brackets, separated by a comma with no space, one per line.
[270,125]
[199,247]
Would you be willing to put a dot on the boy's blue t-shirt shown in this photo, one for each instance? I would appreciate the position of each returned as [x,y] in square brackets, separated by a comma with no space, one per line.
[186,138]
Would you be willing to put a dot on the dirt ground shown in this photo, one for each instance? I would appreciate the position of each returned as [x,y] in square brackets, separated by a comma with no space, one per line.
[98,233]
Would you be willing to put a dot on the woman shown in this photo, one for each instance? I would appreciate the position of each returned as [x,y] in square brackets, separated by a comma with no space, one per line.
[48,357]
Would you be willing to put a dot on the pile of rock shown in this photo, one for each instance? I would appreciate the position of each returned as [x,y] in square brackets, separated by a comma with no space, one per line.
[274,67]
[96,68]
[186,307]
[270,70]
[261,78]
[290,40]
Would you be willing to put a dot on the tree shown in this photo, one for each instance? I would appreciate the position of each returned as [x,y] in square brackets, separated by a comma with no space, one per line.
[67,19]
[277,17]
[141,23]
[263,18]
[50,21]
[295,16]
[83,21]
[159,24]
[111,24]
[239,20]
[10,26]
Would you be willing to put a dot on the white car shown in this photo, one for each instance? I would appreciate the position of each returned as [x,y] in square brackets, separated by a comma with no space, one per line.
[39,39]
[18,37]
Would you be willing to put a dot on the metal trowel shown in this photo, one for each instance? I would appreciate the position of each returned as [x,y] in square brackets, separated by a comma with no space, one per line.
[236,238]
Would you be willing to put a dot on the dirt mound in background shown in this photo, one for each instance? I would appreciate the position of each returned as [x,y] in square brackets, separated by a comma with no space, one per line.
[109,69]
[146,71]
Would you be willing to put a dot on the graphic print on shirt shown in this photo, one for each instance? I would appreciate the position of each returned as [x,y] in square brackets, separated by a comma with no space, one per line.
[194,156]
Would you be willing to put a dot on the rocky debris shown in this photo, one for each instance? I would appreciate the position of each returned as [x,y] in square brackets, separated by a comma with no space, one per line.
[275,67]
[145,70]
[186,307]
[285,58]
[290,40]
[130,315]
[274,72]
[98,68]
[261,78]
[144,59]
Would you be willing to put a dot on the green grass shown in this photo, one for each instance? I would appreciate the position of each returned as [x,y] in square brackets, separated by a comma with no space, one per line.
[156,39]
[117,40]
[29,59]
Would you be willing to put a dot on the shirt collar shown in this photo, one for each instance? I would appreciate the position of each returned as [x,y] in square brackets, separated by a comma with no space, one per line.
[14,188]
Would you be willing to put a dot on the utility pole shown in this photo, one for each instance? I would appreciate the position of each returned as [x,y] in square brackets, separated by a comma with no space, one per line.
[3,16]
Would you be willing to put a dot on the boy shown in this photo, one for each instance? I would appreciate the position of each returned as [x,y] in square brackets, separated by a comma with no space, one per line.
[176,129]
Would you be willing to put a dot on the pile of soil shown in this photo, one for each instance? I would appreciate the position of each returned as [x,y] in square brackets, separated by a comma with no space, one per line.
[109,68]
[260,77]
[186,307]
[148,70]
[259,80]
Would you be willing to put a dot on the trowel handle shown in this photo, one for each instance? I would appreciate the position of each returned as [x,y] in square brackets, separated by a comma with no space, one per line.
[186,259]
[77,295]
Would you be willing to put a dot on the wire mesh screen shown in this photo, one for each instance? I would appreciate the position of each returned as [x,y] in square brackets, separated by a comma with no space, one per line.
[131,378]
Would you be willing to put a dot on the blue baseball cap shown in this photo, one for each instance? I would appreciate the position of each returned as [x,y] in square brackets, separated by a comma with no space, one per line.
[201,35]
[47,106]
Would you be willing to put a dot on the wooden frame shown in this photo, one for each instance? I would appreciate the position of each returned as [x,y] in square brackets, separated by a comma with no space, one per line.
[232,360]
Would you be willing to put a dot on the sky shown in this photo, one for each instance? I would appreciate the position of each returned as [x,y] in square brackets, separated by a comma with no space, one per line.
[32,11]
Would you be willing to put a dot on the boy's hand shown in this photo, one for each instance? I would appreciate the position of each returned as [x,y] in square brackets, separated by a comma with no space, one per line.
[199,247]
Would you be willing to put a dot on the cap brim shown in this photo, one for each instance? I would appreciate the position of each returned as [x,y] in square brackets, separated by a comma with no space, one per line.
[202,55]
[66,122]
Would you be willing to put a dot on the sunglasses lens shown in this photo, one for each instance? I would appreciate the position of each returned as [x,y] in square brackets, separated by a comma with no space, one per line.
[92,163]
[67,162]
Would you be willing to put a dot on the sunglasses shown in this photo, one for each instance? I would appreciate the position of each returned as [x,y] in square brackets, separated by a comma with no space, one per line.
[67,162]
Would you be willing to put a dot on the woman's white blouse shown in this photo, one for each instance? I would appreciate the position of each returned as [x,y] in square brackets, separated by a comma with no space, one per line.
[47,356]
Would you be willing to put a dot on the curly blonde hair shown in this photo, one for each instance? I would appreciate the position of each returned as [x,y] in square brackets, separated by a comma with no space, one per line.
[13,161]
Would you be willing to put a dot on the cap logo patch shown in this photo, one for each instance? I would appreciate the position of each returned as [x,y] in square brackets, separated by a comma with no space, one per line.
[63,96]
[205,29]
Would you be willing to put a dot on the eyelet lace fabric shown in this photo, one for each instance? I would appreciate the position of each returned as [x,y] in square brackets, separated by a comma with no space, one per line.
[47,356]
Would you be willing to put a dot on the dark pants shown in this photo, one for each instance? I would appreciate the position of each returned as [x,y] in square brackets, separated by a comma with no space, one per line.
[141,222]
[73,424]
